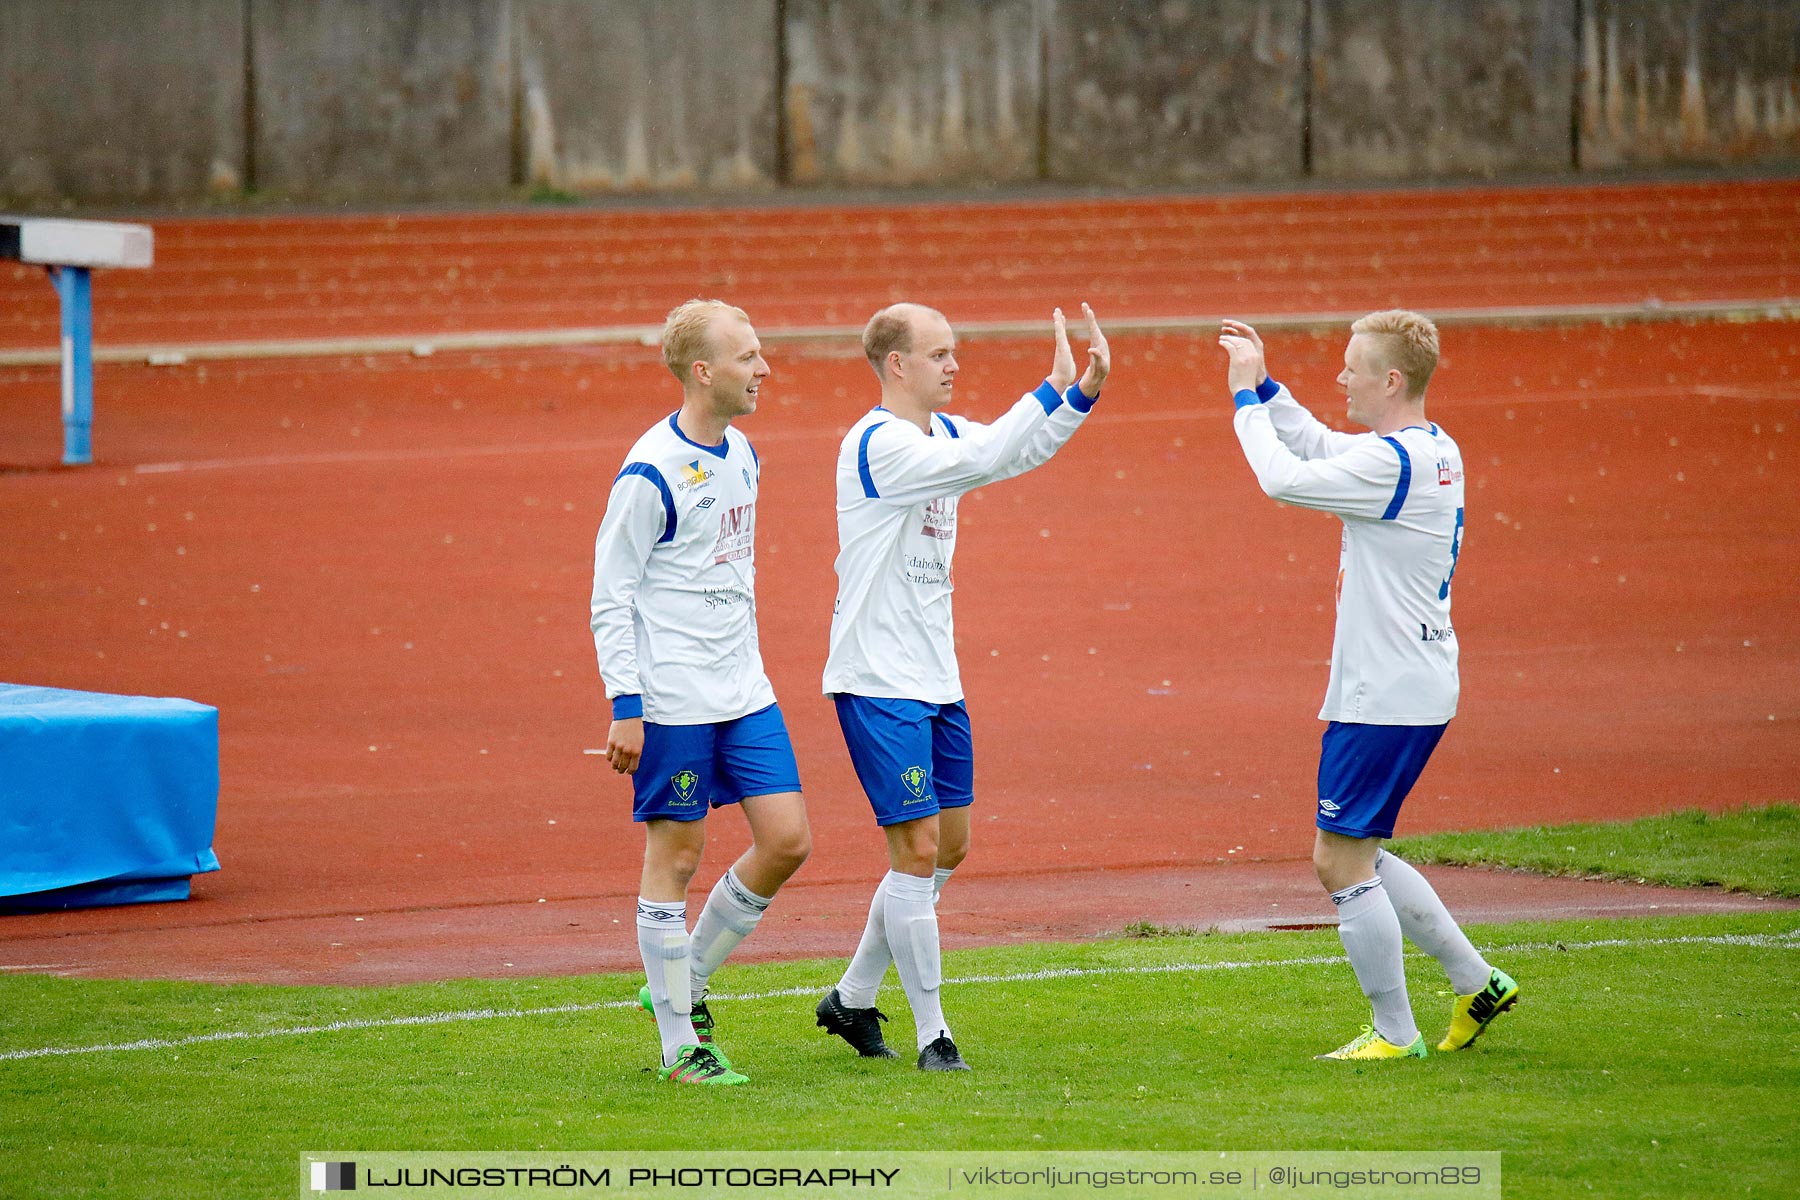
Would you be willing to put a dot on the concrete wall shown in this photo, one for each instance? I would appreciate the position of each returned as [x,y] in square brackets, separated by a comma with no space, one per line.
[1669,81]
[913,91]
[1405,88]
[111,101]
[1182,92]
[95,113]
[369,98]
[633,94]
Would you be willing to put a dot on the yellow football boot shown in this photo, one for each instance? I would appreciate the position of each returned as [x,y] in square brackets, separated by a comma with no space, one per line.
[1472,1014]
[1369,1045]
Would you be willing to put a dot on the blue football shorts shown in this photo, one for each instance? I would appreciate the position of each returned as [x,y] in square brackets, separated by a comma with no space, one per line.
[688,770]
[1365,772]
[913,758]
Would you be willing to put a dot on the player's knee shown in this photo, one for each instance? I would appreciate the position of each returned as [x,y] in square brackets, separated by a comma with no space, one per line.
[917,852]
[790,849]
[1328,864]
[675,859]
[951,854]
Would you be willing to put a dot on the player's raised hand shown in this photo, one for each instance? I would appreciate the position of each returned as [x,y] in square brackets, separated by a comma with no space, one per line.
[1062,367]
[1099,362]
[1246,367]
[1249,334]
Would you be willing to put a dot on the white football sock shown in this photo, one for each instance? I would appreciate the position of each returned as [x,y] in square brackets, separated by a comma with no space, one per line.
[1425,920]
[862,979]
[912,936]
[663,943]
[1370,931]
[939,878]
[731,912]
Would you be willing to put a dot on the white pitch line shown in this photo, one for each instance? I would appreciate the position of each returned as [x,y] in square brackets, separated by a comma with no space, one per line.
[1788,940]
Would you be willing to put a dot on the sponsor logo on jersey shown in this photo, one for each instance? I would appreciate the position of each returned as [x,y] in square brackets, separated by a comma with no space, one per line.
[704,502]
[737,533]
[684,783]
[1447,474]
[914,779]
[693,475]
[722,597]
[1328,807]
[1428,634]
[940,519]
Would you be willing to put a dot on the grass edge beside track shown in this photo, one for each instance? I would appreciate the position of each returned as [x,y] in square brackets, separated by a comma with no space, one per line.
[1753,849]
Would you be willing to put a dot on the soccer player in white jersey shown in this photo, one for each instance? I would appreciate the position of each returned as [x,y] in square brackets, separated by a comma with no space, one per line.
[892,668]
[1399,492]
[695,721]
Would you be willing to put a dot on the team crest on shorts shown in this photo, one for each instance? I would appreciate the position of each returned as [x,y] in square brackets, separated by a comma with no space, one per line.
[685,782]
[914,779]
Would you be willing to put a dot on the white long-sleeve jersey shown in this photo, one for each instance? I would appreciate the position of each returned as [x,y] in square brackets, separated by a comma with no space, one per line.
[674,606]
[1400,497]
[892,634]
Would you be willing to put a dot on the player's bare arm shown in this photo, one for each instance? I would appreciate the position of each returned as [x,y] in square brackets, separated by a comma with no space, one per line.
[1240,330]
[625,744]
[1099,363]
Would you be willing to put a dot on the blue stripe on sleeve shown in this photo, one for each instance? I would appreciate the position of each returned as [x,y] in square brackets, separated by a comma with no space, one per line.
[862,462]
[1079,400]
[949,426]
[626,707]
[1048,396]
[1244,398]
[668,498]
[1268,389]
[1400,489]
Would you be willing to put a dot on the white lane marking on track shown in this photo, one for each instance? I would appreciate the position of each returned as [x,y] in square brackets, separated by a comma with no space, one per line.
[1101,417]
[1787,940]
[329,457]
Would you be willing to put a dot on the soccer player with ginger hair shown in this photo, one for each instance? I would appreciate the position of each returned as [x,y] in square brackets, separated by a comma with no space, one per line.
[892,670]
[695,723]
[1393,689]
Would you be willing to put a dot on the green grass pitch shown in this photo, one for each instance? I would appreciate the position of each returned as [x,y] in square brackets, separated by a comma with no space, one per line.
[1646,1058]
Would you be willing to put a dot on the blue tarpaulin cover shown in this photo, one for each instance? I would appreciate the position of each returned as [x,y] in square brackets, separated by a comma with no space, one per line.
[104,799]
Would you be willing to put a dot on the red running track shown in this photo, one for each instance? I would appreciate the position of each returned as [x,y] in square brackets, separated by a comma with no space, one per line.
[378,570]
[242,278]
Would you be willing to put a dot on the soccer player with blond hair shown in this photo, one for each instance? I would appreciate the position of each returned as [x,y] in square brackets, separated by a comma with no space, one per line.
[892,669]
[1398,490]
[695,723]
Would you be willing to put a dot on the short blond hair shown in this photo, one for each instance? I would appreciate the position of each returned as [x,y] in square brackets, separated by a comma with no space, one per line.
[1404,342]
[687,333]
[891,329]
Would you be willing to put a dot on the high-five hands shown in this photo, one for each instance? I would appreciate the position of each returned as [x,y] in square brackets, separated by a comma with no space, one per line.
[1245,348]
[1099,364]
